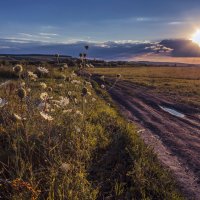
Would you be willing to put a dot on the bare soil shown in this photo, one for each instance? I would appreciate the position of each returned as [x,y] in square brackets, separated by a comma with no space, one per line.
[175,140]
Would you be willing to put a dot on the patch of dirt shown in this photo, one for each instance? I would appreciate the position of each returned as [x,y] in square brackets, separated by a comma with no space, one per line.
[175,140]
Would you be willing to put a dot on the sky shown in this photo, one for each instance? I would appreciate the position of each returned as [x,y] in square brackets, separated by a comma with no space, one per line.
[66,21]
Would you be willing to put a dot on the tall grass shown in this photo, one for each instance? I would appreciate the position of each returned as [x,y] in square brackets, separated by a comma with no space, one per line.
[59,140]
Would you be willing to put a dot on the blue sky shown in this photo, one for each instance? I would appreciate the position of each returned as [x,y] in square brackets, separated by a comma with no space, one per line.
[98,20]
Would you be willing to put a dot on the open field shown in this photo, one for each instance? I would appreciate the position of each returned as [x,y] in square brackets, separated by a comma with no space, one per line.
[59,140]
[180,83]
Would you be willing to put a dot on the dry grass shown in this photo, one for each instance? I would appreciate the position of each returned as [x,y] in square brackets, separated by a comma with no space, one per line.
[179,83]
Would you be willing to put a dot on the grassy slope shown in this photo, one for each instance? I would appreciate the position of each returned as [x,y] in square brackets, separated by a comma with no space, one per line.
[75,156]
[179,83]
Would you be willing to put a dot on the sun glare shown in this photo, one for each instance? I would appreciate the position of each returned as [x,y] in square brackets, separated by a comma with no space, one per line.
[196,37]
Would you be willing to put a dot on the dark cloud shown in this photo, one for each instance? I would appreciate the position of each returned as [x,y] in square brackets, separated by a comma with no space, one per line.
[117,50]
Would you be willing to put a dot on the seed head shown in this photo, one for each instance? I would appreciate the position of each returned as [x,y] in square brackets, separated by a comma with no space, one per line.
[118,75]
[50,89]
[21,92]
[18,69]
[84,91]
[61,69]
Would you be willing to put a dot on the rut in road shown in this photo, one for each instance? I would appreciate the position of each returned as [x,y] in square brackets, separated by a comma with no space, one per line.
[175,140]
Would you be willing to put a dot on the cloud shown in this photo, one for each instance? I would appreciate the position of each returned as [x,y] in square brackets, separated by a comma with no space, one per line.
[109,50]
[176,23]
[48,34]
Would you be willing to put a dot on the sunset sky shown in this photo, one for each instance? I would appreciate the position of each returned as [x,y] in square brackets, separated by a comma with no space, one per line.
[98,20]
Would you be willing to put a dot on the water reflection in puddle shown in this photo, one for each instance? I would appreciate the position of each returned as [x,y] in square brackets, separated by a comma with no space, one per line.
[172,112]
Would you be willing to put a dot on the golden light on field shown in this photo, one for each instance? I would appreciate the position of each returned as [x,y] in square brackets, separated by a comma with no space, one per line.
[196,37]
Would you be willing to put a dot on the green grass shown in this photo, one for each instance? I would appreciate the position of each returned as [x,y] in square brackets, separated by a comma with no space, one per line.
[180,83]
[88,151]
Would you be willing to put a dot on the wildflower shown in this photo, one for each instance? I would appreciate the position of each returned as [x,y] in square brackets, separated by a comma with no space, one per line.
[65,167]
[32,76]
[50,89]
[3,102]
[65,66]
[84,91]
[21,93]
[63,77]
[91,65]
[75,100]
[78,130]
[22,84]
[118,75]
[78,113]
[44,96]
[18,69]
[102,78]
[69,93]
[61,69]
[102,86]
[28,89]
[67,111]
[73,75]
[60,85]
[43,70]
[43,85]
[75,82]
[16,117]
[93,99]
[46,116]
[64,101]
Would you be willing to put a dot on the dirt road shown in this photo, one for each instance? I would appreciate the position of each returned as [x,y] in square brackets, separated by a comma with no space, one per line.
[175,139]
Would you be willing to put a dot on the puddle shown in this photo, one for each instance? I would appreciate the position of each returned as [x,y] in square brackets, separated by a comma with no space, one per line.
[172,112]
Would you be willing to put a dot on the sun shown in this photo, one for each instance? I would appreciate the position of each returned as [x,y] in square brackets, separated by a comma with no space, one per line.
[196,37]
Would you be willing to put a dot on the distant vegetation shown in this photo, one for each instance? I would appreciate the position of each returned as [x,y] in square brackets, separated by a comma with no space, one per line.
[180,83]
[60,140]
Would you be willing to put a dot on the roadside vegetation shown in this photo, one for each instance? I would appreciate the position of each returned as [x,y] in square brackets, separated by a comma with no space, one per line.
[180,83]
[60,140]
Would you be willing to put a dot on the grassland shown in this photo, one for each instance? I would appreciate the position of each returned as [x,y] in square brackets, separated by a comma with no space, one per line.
[59,140]
[180,83]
